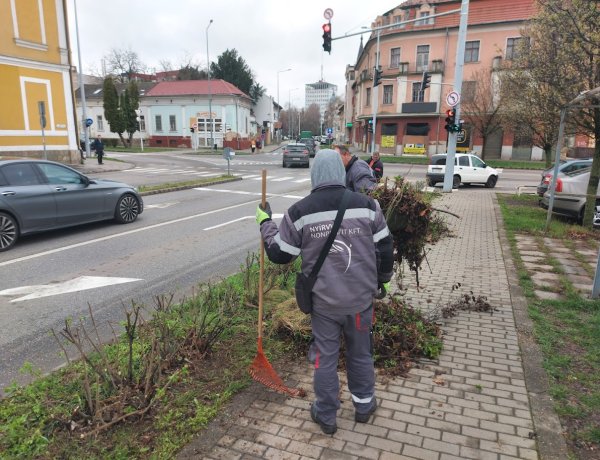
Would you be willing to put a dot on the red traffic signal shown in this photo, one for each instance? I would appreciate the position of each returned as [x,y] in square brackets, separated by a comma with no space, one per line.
[450,120]
[327,37]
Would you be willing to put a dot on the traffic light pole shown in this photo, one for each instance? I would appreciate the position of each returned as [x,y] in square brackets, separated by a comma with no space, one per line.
[458,78]
[375,96]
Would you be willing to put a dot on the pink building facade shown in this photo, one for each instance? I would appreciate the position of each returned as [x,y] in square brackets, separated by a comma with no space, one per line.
[410,121]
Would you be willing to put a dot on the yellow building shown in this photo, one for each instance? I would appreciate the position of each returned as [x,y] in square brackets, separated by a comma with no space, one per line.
[34,68]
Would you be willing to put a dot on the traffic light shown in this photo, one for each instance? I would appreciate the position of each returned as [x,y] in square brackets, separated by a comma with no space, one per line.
[450,120]
[426,81]
[377,76]
[327,37]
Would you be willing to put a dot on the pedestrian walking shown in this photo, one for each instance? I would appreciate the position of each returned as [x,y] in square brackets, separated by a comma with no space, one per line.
[358,265]
[359,177]
[253,147]
[376,165]
[99,148]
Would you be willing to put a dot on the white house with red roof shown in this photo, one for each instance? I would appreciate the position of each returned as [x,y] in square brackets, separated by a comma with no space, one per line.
[192,112]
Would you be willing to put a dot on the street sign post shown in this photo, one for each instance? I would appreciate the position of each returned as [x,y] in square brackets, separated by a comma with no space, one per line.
[228,154]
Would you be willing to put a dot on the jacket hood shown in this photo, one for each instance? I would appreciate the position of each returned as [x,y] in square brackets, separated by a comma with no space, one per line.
[327,169]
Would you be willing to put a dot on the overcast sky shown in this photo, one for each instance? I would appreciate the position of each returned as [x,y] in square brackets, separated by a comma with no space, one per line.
[270,35]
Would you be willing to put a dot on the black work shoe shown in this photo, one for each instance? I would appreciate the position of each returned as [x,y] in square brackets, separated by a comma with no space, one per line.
[327,429]
[364,418]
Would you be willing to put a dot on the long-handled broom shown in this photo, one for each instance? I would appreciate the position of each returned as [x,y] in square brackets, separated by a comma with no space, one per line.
[260,369]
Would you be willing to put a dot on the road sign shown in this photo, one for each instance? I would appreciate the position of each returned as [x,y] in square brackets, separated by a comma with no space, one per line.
[89,122]
[328,14]
[453,98]
[329,130]
[228,153]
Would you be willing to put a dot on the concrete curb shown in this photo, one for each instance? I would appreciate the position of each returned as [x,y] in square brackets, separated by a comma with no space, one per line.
[187,187]
[548,430]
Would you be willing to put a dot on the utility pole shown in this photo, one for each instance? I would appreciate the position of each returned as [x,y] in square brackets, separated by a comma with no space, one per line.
[458,78]
[375,95]
[84,116]
[210,117]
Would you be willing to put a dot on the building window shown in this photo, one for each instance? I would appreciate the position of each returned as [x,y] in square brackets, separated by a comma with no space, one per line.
[417,94]
[468,91]
[425,21]
[142,123]
[394,58]
[158,122]
[512,47]
[472,51]
[422,58]
[172,123]
[100,122]
[368,97]
[398,20]
[388,93]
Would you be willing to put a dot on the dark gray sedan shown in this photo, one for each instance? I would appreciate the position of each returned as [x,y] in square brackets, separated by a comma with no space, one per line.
[37,195]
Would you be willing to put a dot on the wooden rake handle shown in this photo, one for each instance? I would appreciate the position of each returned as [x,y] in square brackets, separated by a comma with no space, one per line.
[262,262]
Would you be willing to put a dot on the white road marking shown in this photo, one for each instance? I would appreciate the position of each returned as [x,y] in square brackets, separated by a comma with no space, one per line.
[251,176]
[274,216]
[78,284]
[299,181]
[268,178]
[160,205]
[281,179]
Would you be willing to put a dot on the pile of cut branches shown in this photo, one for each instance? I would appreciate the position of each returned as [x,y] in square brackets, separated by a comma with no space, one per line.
[412,220]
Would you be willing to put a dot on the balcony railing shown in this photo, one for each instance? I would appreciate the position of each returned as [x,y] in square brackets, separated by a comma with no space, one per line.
[407,68]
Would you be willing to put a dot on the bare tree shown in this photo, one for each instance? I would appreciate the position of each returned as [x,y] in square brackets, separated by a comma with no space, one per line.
[311,120]
[331,110]
[561,61]
[123,63]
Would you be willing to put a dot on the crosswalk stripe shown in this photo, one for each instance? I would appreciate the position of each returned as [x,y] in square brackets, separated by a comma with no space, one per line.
[299,181]
[251,176]
[281,179]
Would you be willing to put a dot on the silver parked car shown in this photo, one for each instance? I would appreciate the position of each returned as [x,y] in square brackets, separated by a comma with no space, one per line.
[570,194]
[37,195]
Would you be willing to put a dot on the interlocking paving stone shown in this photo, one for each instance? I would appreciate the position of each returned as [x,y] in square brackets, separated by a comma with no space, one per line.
[483,395]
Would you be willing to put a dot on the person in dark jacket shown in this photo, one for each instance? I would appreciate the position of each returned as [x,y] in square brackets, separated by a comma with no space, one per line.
[99,148]
[359,263]
[359,177]
[376,165]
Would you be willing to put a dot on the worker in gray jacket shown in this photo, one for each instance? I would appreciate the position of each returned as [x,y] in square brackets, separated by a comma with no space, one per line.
[359,175]
[359,262]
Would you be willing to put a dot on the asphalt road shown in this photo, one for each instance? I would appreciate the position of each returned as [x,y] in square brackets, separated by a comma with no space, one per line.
[182,239]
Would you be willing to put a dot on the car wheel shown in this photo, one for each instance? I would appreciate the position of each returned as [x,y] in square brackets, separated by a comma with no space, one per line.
[9,232]
[491,182]
[456,181]
[430,182]
[127,209]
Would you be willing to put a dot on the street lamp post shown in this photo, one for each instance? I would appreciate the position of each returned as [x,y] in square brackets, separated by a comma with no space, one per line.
[278,110]
[210,117]
[290,119]
[82,90]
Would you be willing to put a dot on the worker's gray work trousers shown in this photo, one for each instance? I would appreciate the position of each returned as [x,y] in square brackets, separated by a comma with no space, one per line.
[324,354]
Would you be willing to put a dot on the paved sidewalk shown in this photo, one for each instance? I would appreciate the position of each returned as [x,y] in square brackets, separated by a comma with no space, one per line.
[478,406]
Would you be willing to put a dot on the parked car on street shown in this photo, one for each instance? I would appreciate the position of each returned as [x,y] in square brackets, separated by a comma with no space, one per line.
[37,195]
[564,167]
[570,194]
[296,154]
[468,169]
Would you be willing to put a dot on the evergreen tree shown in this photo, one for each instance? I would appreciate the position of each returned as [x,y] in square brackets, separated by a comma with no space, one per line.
[232,68]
